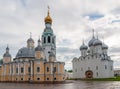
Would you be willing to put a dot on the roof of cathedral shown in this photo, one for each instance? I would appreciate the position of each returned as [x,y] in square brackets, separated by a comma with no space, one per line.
[26,52]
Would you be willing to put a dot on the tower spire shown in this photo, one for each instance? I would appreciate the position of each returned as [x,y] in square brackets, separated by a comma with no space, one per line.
[48,19]
[93,33]
[39,40]
[97,35]
[48,10]
[83,42]
[30,34]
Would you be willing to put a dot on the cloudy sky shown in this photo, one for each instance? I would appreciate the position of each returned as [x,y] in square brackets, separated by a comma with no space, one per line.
[73,21]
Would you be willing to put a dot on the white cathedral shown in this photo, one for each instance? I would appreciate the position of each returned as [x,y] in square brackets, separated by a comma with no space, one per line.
[94,61]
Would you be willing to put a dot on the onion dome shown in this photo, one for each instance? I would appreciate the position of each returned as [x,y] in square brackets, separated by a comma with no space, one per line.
[51,54]
[48,19]
[97,42]
[91,41]
[30,40]
[104,46]
[83,47]
[39,47]
[7,54]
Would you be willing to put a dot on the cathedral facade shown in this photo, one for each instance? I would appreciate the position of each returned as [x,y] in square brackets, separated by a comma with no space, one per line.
[94,61]
[34,64]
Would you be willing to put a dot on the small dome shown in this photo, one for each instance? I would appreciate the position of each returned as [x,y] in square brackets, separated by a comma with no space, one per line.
[26,52]
[30,40]
[6,55]
[38,48]
[91,41]
[48,19]
[104,46]
[97,42]
[52,54]
[83,47]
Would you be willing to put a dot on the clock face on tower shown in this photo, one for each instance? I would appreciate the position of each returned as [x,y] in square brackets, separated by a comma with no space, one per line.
[48,25]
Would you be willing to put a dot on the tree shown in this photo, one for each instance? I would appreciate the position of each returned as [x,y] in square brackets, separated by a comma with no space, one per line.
[70,71]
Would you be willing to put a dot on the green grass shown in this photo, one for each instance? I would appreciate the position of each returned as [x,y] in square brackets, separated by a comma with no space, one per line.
[99,79]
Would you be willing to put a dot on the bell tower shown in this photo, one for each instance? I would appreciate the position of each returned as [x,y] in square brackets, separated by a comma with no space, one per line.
[7,56]
[48,37]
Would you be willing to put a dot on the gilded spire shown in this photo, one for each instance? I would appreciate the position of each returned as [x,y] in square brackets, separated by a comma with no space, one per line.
[48,19]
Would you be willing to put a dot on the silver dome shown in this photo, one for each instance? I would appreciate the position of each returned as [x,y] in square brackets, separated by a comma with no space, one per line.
[97,42]
[83,47]
[39,48]
[91,41]
[30,40]
[6,55]
[26,52]
[104,46]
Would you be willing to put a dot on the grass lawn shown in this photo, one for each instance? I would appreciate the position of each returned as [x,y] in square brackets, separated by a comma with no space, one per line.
[100,79]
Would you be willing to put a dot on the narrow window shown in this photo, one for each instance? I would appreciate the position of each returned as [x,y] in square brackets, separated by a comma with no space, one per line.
[29,69]
[105,67]
[48,39]
[38,69]
[22,70]
[44,40]
[16,70]
[97,74]
[47,69]
[54,69]
[111,68]
[96,67]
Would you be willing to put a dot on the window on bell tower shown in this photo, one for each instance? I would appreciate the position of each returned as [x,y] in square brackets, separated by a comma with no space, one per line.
[44,40]
[48,39]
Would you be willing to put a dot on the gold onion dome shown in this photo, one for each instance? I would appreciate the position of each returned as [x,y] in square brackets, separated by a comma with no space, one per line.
[48,19]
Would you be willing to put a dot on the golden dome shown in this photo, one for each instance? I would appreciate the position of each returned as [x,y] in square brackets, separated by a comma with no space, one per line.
[48,19]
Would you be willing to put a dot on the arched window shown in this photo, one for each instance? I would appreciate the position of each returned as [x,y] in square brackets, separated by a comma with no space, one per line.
[38,69]
[29,69]
[47,69]
[44,39]
[48,39]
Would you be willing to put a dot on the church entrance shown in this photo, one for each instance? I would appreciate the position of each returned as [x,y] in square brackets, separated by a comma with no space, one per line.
[89,74]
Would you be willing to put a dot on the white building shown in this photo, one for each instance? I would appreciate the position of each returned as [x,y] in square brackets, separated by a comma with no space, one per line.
[94,61]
